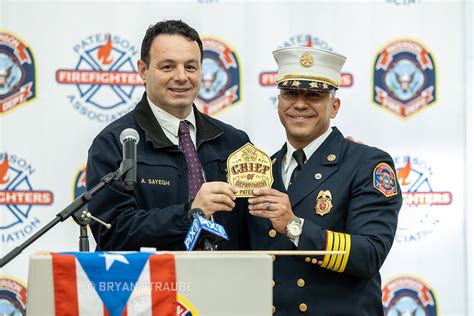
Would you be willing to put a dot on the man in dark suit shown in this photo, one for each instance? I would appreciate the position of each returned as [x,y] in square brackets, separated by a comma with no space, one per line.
[181,156]
[329,194]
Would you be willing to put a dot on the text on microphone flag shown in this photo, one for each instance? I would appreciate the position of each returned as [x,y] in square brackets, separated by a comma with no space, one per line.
[200,225]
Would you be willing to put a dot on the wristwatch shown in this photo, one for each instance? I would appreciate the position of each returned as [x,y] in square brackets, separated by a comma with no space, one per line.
[294,228]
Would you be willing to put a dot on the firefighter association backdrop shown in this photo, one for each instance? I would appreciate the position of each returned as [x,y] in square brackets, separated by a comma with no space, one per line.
[67,69]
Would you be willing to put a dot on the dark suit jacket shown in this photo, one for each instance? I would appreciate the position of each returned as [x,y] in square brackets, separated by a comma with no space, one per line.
[154,214]
[360,184]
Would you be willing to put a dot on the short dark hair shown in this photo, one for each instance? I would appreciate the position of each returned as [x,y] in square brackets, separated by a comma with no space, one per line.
[169,27]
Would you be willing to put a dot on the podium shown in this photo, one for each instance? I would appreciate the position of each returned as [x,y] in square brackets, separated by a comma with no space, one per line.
[210,283]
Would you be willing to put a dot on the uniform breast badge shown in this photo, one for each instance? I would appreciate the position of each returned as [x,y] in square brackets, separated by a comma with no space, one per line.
[249,168]
[323,203]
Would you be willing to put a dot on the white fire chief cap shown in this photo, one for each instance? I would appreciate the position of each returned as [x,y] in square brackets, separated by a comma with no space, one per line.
[307,68]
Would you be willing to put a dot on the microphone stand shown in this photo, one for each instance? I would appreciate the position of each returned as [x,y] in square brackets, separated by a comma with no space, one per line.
[208,245]
[83,219]
[77,205]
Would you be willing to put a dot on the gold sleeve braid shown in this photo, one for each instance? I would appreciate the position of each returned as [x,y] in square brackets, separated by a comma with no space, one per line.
[337,242]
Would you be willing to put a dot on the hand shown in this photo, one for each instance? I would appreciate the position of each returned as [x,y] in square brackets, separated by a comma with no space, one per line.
[274,205]
[215,197]
[351,139]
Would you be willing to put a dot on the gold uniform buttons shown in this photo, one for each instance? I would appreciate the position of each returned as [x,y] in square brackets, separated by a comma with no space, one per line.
[273,258]
[307,259]
[273,309]
[300,283]
[331,157]
[303,307]
[314,261]
[273,283]
[272,233]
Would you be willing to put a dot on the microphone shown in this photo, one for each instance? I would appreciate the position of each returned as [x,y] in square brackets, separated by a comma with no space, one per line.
[129,139]
[203,232]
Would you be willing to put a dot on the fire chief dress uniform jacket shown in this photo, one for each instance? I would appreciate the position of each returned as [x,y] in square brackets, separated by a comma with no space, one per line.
[349,198]
[154,214]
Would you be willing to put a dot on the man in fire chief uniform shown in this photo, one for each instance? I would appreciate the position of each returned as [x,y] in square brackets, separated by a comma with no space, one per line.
[329,194]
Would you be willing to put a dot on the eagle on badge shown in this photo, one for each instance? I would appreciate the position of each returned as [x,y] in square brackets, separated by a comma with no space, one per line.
[323,202]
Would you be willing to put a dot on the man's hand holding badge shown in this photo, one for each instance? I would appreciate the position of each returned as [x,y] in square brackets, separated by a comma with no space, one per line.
[250,170]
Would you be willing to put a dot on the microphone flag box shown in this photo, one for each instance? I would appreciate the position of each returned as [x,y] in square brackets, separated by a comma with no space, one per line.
[202,227]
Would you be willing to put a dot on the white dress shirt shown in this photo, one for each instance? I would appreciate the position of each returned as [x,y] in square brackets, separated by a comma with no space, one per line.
[170,123]
[289,163]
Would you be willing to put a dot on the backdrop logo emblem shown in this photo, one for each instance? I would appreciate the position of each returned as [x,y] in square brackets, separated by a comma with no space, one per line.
[13,297]
[107,84]
[80,183]
[17,199]
[185,308]
[221,85]
[403,2]
[17,73]
[421,203]
[408,296]
[404,77]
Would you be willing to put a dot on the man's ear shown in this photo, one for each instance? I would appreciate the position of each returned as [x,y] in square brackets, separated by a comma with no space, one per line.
[142,69]
[336,104]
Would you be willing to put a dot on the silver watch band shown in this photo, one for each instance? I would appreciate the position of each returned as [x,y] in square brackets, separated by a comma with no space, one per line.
[296,220]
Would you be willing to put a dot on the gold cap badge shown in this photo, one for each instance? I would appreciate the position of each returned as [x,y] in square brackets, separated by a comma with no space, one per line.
[249,168]
[306,60]
[323,203]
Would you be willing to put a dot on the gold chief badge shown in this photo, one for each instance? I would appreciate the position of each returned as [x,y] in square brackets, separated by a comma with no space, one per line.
[249,168]
[323,203]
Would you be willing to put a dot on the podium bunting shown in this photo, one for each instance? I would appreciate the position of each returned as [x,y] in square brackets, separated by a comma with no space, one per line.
[115,284]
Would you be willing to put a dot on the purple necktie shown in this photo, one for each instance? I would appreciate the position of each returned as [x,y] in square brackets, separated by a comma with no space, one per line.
[195,177]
